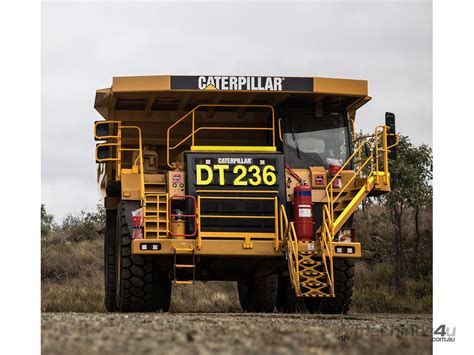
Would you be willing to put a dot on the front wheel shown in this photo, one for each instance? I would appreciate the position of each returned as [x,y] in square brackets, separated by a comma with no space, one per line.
[287,302]
[258,294]
[110,260]
[140,286]
[343,284]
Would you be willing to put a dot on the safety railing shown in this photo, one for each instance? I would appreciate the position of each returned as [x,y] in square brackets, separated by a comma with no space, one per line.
[137,163]
[288,235]
[238,235]
[376,149]
[383,151]
[194,130]
[330,196]
[326,238]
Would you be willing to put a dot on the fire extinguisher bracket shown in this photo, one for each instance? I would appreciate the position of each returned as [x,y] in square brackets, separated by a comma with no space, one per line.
[174,216]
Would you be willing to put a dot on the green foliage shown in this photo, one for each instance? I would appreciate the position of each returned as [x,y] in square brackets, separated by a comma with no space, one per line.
[85,226]
[46,222]
[410,176]
[74,228]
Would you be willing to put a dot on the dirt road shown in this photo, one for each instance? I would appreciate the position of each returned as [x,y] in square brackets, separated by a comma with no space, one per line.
[236,333]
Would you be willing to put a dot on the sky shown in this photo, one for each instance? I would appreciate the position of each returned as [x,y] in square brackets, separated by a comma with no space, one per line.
[85,44]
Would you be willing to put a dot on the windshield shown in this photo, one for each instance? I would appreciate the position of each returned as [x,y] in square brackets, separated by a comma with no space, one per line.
[310,140]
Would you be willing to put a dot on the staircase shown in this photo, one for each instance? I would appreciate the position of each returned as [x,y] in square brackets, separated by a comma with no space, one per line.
[155,208]
[314,278]
[309,263]
[311,268]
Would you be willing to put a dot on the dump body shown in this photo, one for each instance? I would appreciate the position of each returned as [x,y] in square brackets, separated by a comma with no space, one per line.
[205,167]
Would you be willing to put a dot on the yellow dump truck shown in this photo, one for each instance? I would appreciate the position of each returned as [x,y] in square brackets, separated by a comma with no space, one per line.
[235,178]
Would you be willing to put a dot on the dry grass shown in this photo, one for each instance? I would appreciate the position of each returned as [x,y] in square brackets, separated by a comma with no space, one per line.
[72,277]
[375,293]
[72,273]
[212,296]
[72,281]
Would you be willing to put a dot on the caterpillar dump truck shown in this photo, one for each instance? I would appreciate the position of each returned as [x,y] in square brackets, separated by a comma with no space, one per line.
[235,178]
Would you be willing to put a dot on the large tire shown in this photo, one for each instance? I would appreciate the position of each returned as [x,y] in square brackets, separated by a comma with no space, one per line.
[287,302]
[343,284]
[140,287]
[110,260]
[258,294]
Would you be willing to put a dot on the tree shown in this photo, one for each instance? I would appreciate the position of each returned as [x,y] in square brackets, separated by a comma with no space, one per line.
[46,221]
[410,176]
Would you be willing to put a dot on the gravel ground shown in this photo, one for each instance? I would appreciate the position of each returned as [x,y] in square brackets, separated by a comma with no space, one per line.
[234,333]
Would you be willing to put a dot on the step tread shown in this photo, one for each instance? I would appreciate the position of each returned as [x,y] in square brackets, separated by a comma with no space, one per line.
[314,284]
[183,249]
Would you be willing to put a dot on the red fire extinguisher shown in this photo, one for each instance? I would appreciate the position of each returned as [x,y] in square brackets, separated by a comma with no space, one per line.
[302,208]
[303,213]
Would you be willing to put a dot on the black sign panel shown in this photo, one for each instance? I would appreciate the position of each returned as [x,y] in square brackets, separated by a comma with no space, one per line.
[246,177]
[235,171]
[242,83]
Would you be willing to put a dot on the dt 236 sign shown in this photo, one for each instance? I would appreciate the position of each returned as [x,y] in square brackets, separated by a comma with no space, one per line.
[236,172]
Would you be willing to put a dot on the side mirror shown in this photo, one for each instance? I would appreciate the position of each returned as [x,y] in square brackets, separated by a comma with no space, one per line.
[391,131]
[103,152]
[101,130]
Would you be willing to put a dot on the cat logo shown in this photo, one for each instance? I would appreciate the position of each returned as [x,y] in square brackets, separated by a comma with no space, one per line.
[241,83]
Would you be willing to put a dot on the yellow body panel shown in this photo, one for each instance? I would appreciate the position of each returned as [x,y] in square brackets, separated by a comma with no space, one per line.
[209,247]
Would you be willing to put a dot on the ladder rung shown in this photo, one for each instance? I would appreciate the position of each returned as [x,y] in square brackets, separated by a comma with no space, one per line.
[185,266]
[177,282]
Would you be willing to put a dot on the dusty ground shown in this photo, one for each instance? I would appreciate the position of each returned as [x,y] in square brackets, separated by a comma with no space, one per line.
[234,333]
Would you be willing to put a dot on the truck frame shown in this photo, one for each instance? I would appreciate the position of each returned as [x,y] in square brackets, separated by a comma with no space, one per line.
[200,174]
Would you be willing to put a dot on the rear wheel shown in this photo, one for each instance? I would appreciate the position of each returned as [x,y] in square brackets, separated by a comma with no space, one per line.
[140,286]
[343,284]
[258,294]
[110,258]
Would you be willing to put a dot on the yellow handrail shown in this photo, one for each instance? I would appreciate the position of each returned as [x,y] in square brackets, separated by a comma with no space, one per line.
[326,247]
[118,143]
[139,158]
[288,235]
[194,130]
[329,187]
[372,158]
